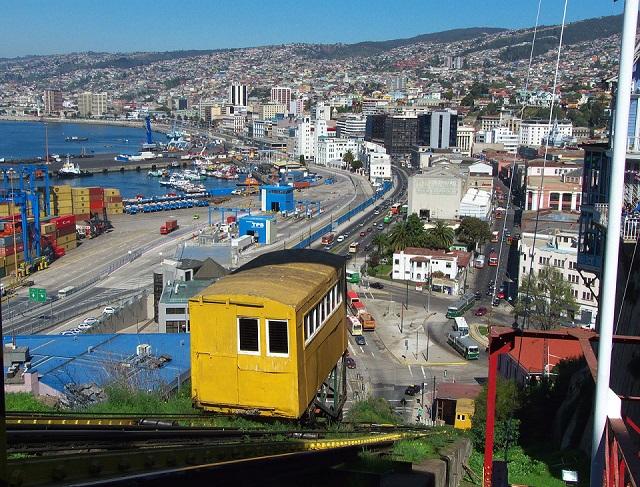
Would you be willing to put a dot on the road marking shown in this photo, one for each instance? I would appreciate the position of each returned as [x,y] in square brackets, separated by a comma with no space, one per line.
[372,354]
[352,349]
[423,374]
[410,371]
[361,349]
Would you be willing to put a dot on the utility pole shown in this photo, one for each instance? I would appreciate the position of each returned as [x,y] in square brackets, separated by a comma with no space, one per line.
[401,318]
[417,336]
[406,300]
[428,340]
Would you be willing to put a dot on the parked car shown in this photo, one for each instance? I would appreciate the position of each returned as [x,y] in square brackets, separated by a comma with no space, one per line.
[351,364]
[376,285]
[500,295]
[413,390]
[360,340]
[84,326]
[90,321]
[478,295]
[109,310]
[496,302]
[363,234]
[481,311]
[340,238]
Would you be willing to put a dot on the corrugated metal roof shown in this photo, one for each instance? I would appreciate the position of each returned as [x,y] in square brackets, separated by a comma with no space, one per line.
[289,284]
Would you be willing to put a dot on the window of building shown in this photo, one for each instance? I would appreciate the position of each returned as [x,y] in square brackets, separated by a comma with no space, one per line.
[277,337]
[586,296]
[321,312]
[448,265]
[179,326]
[418,264]
[575,293]
[249,336]
[175,311]
[396,261]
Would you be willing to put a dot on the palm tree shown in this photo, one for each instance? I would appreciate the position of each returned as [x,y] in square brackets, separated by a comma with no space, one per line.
[400,238]
[441,235]
[380,241]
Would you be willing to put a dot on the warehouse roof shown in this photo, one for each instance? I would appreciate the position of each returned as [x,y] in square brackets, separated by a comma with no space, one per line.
[287,276]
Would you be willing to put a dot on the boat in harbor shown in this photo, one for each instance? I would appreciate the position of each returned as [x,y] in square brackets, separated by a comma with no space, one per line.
[155,174]
[75,138]
[71,170]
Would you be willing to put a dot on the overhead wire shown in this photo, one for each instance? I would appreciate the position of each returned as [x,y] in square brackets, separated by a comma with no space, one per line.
[544,166]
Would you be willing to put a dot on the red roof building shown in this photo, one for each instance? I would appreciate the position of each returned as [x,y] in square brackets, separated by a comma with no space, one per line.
[534,357]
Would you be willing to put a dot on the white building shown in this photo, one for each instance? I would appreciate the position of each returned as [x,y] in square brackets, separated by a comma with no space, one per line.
[476,203]
[533,131]
[560,251]
[260,128]
[305,139]
[271,109]
[323,112]
[351,126]
[238,95]
[464,140]
[436,193]
[379,168]
[331,150]
[281,94]
[500,135]
[418,264]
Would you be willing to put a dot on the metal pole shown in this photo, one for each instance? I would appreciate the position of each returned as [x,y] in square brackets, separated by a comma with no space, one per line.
[401,318]
[607,312]
[406,299]
[417,336]
[428,340]
[4,477]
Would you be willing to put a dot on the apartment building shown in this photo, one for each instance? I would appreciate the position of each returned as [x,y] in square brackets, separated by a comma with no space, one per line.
[533,131]
[560,251]
[281,94]
[331,150]
[52,101]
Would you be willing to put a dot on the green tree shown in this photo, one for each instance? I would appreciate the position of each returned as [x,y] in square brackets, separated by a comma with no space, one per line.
[355,165]
[400,238]
[545,299]
[507,427]
[348,157]
[467,101]
[380,241]
[473,231]
[416,229]
[441,235]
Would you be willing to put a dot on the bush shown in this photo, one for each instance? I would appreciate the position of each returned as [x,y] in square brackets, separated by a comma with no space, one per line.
[24,401]
[372,410]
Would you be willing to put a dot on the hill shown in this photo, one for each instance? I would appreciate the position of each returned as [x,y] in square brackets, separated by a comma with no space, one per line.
[371,48]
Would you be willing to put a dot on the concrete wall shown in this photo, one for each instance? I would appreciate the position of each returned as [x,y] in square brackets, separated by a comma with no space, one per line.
[130,312]
[448,471]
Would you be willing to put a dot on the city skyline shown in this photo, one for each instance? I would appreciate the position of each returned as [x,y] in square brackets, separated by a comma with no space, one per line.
[121,26]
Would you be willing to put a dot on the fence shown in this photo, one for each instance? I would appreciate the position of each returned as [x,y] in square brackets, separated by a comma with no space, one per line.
[318,233]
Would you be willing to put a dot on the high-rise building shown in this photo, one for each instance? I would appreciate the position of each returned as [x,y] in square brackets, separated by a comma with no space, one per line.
[351,126]
[281,94]
[397,83]
[464,140]
[533,131]
[52,101]
[92,104]
[305,139]
[238,95]
[323,112]
[438,129]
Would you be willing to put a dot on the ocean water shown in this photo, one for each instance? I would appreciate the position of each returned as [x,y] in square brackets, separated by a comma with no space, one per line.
[26,140]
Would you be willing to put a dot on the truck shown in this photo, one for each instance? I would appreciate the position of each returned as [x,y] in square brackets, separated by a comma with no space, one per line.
[242,242]
[328,238]
[493,259]
[368,323]
[168,227]
[479,262]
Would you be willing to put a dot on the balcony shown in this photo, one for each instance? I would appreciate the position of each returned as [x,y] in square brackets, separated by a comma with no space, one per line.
[630,225]
[633,144]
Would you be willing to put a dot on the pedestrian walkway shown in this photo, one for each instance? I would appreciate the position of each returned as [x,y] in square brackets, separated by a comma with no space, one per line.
[403,333]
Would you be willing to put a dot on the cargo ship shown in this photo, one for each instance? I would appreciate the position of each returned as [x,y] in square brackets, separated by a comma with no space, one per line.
[75,138]
[71,170]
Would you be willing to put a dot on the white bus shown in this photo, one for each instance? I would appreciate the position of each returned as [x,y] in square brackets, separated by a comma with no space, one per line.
[65,291]
[353,248]
[460,324]
[355,327]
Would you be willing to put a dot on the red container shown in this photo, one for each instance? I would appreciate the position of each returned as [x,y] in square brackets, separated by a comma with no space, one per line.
[301,184]
[113,199]
[58,251]
[64,221]
[5,251]
[231,219]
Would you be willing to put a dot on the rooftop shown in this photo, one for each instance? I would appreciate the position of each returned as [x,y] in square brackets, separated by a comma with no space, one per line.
[532,354]
[455,390]
[181,291]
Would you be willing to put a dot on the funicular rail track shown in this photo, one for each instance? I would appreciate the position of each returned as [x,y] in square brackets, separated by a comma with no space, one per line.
[59,449]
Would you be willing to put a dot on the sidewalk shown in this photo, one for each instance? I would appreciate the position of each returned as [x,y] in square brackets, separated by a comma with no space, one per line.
[409,347]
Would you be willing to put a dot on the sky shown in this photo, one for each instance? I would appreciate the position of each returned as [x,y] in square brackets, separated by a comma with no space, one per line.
[62,26]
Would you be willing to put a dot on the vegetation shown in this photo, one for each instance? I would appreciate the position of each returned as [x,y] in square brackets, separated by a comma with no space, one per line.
[484,330]
[355,165]
[24,401]
[349,158]
[125,400]
[473,232]
[428,446]
[547,299]
[373,410]
[411,233]
[506,424]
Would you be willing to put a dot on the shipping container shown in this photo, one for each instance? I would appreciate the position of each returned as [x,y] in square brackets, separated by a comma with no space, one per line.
[168,227]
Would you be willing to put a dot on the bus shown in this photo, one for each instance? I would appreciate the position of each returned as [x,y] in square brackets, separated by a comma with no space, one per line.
[353,277]
[395,209]
[461,306]
[404,209]
[353,248]
[355,327]
[493,259]
[460,324]
[464,345]
[65,291]
[494,236]
[328,238]
[352,297]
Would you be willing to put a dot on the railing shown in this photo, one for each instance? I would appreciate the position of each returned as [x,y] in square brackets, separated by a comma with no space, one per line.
[630,224]
[622,465]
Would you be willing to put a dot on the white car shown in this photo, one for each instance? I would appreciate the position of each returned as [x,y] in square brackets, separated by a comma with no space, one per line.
[340,238]
[377,212]
[67,333]
[109,310]
[84,326]
[90,321]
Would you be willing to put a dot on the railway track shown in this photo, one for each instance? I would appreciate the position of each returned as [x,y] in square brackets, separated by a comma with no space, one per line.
[56,449]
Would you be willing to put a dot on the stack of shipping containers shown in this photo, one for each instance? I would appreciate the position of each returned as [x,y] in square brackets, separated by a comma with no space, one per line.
[65,234]
[11,255]
[81,203]
[113,201]
[61,201]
